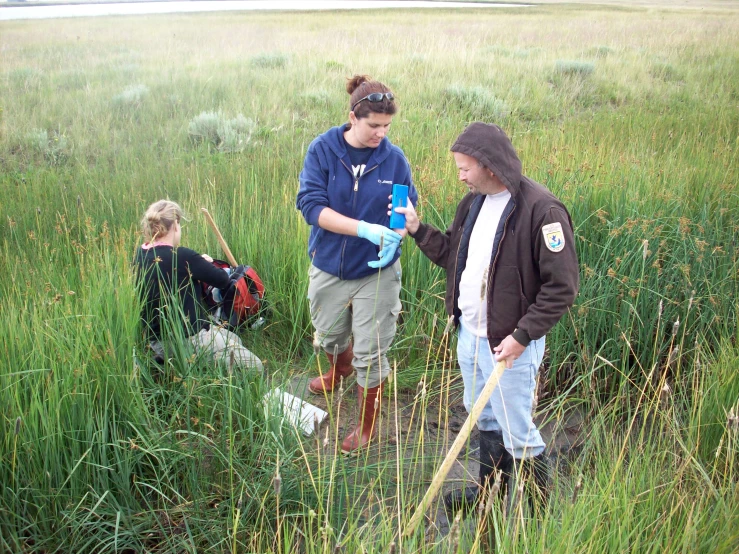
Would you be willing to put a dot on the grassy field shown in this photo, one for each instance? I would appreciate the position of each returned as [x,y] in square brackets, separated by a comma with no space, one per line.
[630,115]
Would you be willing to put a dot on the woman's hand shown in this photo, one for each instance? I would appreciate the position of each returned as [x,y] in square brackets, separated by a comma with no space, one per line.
[207,258]
[377,234]
[387,253]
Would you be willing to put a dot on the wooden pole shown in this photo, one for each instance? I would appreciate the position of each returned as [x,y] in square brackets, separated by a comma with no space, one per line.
[226,249]
[464,433]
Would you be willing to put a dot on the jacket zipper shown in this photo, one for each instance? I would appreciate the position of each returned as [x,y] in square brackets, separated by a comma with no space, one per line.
[354,206]
[456,264]
[356,179]
[497,252]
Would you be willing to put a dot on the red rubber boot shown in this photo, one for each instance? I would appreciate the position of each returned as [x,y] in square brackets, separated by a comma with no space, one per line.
[369,405]
[339,367]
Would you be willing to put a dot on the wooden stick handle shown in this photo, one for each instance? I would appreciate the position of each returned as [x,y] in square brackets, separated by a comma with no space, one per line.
[226,249]
[464,433]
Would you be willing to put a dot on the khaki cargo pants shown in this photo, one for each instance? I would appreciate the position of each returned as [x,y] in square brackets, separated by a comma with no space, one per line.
[366,308]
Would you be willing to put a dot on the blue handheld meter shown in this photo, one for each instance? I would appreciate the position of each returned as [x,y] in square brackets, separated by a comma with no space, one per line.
[400,199]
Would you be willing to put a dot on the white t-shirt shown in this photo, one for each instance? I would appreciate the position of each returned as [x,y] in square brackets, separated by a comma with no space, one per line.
[474,308]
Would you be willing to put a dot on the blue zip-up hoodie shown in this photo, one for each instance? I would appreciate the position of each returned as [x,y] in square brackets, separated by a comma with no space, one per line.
[327,181]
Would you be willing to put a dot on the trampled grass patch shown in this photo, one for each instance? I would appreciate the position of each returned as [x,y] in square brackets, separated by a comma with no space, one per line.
[628,115]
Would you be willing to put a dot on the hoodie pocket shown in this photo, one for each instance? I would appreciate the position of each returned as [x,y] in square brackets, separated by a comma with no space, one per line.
[509,303]
[316,241]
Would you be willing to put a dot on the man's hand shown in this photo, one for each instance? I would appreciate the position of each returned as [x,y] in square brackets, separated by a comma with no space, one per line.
[411,217]
[207,258]
[509,350]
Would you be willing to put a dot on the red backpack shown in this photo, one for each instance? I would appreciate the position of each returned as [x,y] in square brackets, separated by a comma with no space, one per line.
[242,300]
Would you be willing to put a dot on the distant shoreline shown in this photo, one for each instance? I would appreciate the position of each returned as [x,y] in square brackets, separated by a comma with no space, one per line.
[41,3]
[695,5]
[64,10]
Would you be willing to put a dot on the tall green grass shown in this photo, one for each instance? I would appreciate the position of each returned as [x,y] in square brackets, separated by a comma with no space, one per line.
[633,127]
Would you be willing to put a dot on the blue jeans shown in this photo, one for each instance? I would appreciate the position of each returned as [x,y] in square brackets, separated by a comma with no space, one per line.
[509,408]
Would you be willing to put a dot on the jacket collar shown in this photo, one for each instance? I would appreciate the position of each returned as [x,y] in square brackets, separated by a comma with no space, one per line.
[335,141]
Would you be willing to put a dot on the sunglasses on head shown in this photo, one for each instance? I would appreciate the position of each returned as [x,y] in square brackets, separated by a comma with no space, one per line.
[374,97]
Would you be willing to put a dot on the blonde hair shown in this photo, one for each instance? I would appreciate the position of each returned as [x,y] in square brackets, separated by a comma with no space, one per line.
[159,218]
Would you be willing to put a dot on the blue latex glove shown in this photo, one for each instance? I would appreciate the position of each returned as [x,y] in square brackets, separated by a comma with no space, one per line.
[386,255]
[377,234]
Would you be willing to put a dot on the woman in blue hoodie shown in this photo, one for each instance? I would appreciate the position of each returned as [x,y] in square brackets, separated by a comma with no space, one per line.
[354,290]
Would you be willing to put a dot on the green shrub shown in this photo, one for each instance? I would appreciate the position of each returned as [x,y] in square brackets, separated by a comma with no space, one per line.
[73,79]
[477,102]
[574,68]
[53,147]
[25,78]
[317,97]
[665,71]
[526,52]
[496,50]
[132,96]
[269,61]
[332,65]
[227,135]
[600,51]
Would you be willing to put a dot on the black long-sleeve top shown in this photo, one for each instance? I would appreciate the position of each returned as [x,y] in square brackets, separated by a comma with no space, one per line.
[158,268]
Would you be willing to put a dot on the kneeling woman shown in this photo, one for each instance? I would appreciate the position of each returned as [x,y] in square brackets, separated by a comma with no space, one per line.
[171,278]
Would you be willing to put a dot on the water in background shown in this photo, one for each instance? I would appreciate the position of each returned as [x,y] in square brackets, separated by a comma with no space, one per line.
[142,8]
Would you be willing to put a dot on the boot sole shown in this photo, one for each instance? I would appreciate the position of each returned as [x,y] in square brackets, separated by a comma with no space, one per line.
[352,453]
[358,450]
[320,391]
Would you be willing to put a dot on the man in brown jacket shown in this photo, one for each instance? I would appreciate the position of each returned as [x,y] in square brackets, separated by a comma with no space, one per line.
[512,273]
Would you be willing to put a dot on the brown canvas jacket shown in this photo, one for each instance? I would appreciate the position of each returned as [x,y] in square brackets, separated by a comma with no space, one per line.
[530,286]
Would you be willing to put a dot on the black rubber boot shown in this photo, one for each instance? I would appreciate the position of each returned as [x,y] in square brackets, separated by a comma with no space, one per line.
[537,472]
[493,457]
[531,478]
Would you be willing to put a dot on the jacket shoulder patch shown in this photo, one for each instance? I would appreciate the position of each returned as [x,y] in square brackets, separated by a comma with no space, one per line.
[554,237]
